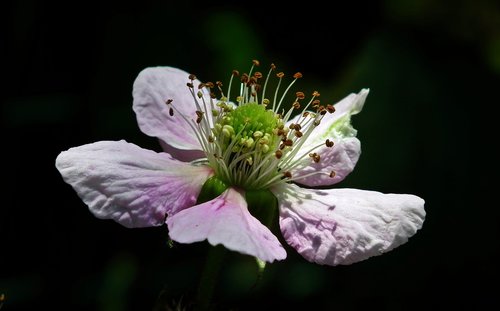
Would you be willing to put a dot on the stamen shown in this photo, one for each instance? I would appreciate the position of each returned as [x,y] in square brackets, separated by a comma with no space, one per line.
[329,143]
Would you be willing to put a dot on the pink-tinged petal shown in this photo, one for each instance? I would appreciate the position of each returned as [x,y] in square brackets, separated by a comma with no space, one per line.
[340,159]
[343,156]
[226,220]
[344,226]
[133,186]
[152,88]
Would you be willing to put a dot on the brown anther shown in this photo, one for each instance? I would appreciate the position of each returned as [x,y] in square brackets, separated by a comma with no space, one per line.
[298,134]
[257,87]
[287,174]
[315,103]
[330,108]
[280,74]
[169,101]
[297,75]
[315,157]
[297,127]
[192,77]
[291,126]
[252,80]
[201,85]
[305,114]
[199,115]
[316,94]
[218,83]
[300,95]
[322,110]
[209,85]
[210,139]
[273,66]
[296,105]
[244,78]
[282,146]
[236,73]
[332,174]
[281,132]
[329,143]
[171,111]
[256,62]
[278,154]
[288,142]
[190,85]
[212,95]
[257,74]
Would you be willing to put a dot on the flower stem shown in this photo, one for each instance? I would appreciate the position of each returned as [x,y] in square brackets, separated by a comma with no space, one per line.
[209,277]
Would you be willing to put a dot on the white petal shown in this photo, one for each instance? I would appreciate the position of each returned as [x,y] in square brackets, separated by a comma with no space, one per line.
[152,88]
[226,220]
[133,186]
[343,156]
[343,226]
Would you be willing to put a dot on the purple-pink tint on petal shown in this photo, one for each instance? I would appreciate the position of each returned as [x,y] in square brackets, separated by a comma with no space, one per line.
[226,220]
[133,186]
[152,89]
[344,226]
[343,156]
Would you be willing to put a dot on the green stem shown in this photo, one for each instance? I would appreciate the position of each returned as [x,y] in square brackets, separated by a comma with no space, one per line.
[209,277]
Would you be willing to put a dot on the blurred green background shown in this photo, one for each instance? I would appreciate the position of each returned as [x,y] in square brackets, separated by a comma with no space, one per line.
[433,68]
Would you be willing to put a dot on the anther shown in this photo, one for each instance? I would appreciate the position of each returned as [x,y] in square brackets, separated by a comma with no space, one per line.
[171,111]
[169,101]
[296,105]
[280,74]
[288,142]
[257,75]
[189,85]
[297,127]
[332,174]
[315,157]
[265,102]
[218,83]
[329,143]
[235,73]
[209,85]
[291,126]
[192,77]
[315,103]
[201,85]
[256,62]
[212,95]
[199,115]
[278,154]
[316,94]
[244,78]
[273,66]
[300,95]
[287,174]
[297,75]
[199,94]
[298,134]
[305,114]
[330,108]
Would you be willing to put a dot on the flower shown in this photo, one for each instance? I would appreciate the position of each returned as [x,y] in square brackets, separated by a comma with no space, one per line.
[227,164]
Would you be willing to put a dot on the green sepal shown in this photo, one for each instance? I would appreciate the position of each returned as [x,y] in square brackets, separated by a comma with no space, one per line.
[211,189]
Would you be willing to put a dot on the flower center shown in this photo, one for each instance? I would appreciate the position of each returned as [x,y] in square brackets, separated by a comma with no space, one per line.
[248,144]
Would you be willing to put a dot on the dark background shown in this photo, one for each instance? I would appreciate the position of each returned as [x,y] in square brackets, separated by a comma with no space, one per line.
[433,68]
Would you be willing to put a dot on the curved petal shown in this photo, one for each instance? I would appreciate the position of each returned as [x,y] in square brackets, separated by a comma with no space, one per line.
[343,156]
[133,186]
[343,226]
[152,88]
[226,220]
[341,159]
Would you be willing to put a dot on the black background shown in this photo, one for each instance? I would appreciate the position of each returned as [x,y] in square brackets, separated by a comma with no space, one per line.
[433,68]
